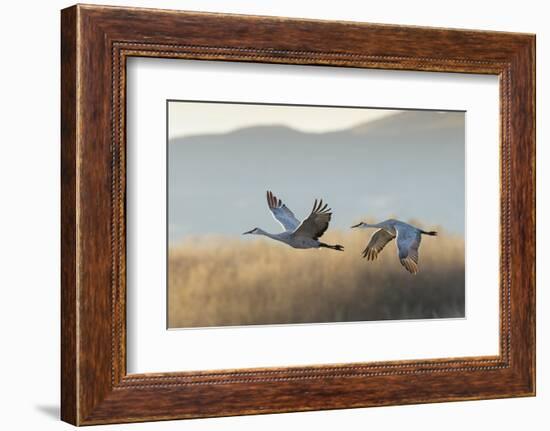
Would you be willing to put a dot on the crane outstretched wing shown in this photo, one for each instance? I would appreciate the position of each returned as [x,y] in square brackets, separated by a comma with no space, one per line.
[408,242]
[281,212]
[377,242]
[315,225]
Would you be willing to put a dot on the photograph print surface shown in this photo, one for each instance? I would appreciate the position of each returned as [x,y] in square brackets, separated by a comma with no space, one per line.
[289,214]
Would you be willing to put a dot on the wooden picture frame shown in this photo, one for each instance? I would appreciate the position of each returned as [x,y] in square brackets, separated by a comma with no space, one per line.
[95,43]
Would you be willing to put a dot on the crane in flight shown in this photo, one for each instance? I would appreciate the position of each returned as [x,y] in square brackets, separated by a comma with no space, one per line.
[406,235]
[298,234]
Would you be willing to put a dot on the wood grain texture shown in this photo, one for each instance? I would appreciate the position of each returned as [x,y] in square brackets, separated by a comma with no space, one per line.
[69,397]
[96,41]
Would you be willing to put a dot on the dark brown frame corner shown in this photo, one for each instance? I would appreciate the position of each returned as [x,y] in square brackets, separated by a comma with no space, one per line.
[95,43]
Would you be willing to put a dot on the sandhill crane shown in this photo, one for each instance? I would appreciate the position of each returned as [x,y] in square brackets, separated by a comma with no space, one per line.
[408,241]
[298,235]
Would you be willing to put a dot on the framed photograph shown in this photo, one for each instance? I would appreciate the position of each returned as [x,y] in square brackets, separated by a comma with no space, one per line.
[264,214]
[223,156]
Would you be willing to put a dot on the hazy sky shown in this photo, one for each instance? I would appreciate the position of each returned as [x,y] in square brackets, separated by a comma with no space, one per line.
[404,164]
[191,118]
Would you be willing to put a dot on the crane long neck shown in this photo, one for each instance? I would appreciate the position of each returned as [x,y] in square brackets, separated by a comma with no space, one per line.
[381,225]
[264,233]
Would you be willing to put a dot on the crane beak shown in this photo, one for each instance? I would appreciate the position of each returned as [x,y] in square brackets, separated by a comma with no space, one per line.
[357,225]
[250,231]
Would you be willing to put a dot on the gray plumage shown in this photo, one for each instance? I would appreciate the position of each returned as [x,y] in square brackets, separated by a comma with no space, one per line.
[304,234]
[407,237]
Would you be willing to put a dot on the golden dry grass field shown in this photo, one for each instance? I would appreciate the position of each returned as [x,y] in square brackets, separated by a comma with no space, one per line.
[219,281]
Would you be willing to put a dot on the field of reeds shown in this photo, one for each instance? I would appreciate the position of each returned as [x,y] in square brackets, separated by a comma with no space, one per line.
[219,281]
